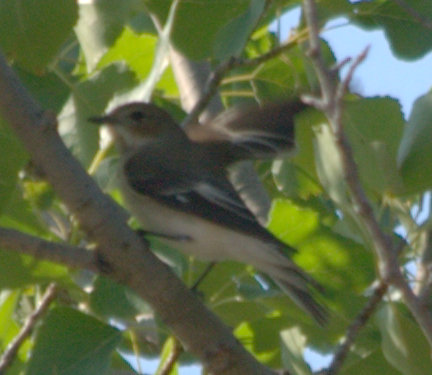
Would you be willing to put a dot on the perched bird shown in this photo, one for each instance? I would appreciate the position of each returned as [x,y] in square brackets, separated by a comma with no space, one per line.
[175,183]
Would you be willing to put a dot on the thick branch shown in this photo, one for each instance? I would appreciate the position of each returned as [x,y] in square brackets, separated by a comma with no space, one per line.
[119,247]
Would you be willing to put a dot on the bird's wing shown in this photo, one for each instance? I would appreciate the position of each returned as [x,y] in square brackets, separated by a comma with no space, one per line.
[209,196]
[252,132]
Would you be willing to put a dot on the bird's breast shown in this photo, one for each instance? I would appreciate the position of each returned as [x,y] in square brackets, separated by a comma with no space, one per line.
[197,236]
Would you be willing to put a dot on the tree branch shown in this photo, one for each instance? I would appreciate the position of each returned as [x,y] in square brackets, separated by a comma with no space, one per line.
[126,255]
[67,255]
[12,349]
[354,329]
[332,104]
[424,270]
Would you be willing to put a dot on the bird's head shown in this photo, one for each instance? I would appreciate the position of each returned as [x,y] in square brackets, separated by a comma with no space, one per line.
[136,124]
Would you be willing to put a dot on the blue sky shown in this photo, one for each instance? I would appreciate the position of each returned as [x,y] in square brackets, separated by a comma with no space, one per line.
[380,74]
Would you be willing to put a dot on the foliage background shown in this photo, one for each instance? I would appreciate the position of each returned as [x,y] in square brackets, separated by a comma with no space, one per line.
[79,58]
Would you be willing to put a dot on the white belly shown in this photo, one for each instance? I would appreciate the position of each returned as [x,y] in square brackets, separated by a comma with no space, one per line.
[202,238]
[199,237]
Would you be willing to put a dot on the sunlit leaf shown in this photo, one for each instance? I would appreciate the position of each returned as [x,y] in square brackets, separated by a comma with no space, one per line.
[293,346]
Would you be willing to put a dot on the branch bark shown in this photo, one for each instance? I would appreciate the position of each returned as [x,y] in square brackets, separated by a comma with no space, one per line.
[127,256]
[70,256]
[354,329]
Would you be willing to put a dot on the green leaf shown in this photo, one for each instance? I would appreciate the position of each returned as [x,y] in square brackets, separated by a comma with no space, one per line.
[330,9]
[403,345]
[137,50]
[372,361]
[8,328]
[232,291]
[231,39]
[19,214]
[342,266]
[415,152]
[69,342]
[234,312]
[14,157]
[261,338]
[409,38]
[31,31]
[329,166]
[100,24]
[193,17]
[113,300]
[287,75]
[374,127]
[47,88]
[18,270]
[144,91]
[296,176]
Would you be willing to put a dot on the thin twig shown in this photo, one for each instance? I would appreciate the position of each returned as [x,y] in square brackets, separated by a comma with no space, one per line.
[70,256]
[354,329]
[327,81]
[343,87]
[12,349]
[332,93]
[172,359]
[275,52]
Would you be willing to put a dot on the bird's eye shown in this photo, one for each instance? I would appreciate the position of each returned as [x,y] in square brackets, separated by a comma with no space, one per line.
[137,115]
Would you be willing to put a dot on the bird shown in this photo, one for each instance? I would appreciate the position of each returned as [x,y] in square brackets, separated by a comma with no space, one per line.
[174,182]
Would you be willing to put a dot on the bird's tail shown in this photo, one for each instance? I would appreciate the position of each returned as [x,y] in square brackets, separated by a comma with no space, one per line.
[297,284]
[303,298]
